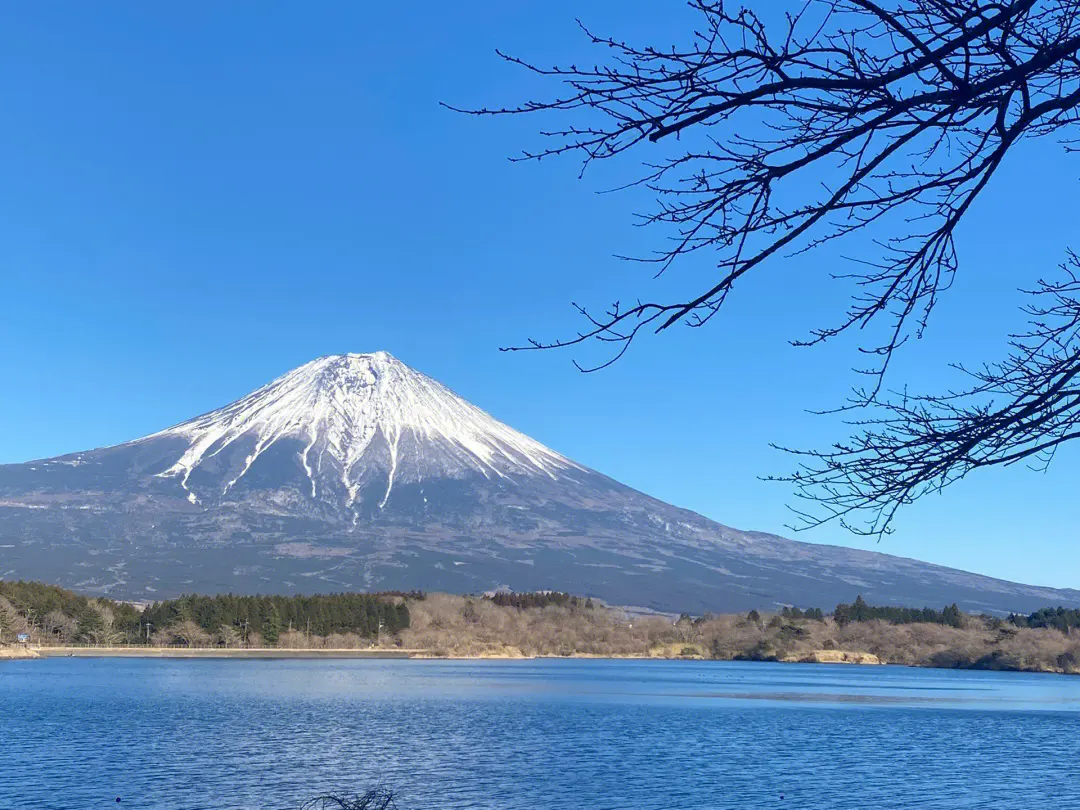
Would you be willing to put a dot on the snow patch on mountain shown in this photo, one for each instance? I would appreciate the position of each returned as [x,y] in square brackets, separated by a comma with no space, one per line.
[339,406]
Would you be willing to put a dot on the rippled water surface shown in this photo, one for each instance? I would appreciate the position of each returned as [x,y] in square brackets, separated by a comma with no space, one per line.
[534,734]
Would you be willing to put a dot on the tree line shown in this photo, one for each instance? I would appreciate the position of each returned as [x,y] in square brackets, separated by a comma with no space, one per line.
[817,614]
[860,611]
[57,615]
[1059,618]
[538,599]
[366,615]
[1063,619]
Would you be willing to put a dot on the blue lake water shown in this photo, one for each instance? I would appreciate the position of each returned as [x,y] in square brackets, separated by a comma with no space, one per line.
[533,734]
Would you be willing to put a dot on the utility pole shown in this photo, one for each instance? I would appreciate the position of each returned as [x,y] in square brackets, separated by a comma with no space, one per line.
[148,626]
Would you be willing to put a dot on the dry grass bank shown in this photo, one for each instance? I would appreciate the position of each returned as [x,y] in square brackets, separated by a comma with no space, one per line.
[456,626]
[443,625]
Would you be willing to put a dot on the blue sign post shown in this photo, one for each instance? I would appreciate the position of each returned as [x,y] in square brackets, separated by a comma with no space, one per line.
[23,638]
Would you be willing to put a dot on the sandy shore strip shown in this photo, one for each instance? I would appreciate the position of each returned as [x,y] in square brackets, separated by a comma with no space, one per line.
[271,653]
[12,653]
[215,652]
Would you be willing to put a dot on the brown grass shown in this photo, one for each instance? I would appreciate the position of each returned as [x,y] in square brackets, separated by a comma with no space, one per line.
[456,626]
[443,625]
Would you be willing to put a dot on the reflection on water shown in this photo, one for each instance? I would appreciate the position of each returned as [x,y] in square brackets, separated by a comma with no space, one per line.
[77,733]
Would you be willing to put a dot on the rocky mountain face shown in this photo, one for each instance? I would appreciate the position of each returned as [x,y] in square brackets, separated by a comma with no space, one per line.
[357,472]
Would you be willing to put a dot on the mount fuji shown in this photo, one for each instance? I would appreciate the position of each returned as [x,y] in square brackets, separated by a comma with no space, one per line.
[357,472]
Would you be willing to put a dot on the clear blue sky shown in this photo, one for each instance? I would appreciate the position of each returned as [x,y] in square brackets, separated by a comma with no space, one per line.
[198,196]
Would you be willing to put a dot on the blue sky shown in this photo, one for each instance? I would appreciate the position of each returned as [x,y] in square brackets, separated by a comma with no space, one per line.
[199,196]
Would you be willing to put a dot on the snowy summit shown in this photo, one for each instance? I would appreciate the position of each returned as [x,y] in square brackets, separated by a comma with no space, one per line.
[350,418]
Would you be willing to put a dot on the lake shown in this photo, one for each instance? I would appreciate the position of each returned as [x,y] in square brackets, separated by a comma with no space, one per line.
[77,733]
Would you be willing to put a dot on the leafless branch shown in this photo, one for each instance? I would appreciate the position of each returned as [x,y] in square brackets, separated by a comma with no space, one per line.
[857,113]
[883,117]
[1017,410]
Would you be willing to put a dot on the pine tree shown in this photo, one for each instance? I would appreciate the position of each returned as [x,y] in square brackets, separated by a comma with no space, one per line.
[860,611]
[952,616]
[91,626]
[271,627]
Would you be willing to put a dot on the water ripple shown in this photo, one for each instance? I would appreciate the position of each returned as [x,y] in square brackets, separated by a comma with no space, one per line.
[180,735]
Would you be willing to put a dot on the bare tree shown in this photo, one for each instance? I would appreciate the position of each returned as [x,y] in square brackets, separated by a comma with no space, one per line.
[228,636]
[190,634]
[11,622]
[687,630]
[58,626]
[1020,409]
[888,117]
[104,633]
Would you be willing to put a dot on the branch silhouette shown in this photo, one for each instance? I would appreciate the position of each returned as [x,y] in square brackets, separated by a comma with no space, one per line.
[852,116]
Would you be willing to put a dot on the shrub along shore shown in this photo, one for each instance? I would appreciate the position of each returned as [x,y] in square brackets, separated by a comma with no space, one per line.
[513,625]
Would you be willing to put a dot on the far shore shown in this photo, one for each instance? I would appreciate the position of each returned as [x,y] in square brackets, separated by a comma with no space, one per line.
[522,626]
[836,657]
[215,652]
[267,653]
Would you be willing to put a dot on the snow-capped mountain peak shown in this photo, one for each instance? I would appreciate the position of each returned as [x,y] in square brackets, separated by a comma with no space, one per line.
[357,472]
[354,418]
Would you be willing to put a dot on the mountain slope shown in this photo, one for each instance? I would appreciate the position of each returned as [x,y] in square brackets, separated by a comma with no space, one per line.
[355,471]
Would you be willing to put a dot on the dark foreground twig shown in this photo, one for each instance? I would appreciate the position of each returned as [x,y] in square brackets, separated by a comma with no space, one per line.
[377,799]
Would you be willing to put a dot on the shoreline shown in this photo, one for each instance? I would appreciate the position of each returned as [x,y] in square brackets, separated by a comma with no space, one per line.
[413,654]
[253,653]
[841,658]
[525,626]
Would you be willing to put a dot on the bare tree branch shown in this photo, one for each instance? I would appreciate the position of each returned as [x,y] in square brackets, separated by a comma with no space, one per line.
[886,117]
[900,112]
[1018,410]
